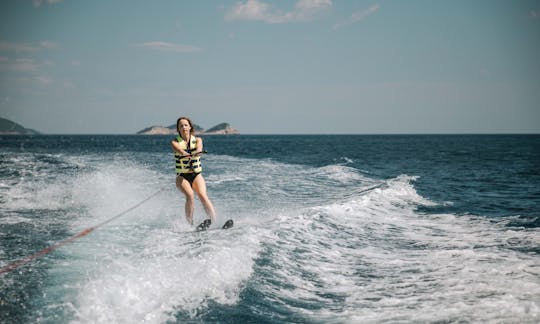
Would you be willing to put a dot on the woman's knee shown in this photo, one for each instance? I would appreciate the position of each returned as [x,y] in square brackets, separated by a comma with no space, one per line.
[203,199]
[190,196]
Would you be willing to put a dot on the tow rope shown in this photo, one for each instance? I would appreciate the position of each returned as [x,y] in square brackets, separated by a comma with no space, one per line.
[19,263]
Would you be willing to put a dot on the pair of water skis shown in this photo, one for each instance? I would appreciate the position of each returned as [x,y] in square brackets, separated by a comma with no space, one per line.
[205,225]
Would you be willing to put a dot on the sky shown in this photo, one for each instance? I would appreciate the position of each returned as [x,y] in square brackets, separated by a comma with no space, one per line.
[272,67]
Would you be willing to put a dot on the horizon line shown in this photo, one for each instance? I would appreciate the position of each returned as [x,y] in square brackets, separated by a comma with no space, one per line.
[285,134]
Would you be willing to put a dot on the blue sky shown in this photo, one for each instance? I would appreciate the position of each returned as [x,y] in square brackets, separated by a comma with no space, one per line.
[308,66]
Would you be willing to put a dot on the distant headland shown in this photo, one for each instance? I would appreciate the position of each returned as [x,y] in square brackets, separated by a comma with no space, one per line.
[220,129]
[8,127]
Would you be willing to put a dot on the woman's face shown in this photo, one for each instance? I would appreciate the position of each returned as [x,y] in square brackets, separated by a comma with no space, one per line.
[184,126]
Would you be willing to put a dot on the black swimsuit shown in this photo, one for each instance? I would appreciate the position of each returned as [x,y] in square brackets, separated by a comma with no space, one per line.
[190,177]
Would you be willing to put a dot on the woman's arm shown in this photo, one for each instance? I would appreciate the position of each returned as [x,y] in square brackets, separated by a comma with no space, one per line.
[199,146]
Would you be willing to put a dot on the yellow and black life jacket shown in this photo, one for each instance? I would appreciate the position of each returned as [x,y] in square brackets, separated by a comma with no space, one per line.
[187,164]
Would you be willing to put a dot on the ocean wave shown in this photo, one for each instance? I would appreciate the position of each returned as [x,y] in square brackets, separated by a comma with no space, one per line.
[170,274]
[310,244]
[351,261]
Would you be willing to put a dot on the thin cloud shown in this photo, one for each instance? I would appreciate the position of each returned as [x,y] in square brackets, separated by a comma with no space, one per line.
[48,45]
[26,47]
[43,80]
[358,16]
[255,10]
[24,64]
[18,47]
[13,63]
[19,65]
[38,3]
[169,47]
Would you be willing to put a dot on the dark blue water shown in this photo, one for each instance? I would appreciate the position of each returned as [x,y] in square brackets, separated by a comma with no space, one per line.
[329,228]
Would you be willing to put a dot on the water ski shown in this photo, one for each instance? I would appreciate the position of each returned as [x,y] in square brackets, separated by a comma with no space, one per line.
[204,226]
[228,224]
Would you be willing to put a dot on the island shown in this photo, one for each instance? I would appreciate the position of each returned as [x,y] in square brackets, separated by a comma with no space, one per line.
[8,127]
[220,129]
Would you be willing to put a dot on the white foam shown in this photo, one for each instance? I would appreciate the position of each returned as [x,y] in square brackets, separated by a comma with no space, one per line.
[170,273]
[14,220]
[40,185]
[265,184]
[374,258]
[144,266]
[341,247]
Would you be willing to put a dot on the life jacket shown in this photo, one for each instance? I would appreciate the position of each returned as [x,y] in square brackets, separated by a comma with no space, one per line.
[187,164]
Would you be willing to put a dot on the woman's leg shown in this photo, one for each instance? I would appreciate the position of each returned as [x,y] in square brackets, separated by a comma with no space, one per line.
[199,185]
[183,185]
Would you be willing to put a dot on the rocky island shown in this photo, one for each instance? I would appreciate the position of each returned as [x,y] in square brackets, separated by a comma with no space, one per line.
[7,127]
[220,129]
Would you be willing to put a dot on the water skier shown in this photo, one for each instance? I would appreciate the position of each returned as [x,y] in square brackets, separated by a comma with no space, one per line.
[189,179]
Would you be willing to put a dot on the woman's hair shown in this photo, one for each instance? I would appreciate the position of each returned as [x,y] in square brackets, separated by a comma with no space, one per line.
[192,130]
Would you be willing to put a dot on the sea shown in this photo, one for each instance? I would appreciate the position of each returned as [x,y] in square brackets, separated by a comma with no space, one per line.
[327,229]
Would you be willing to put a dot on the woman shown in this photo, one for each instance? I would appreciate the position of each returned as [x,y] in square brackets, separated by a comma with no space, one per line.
[187,152]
